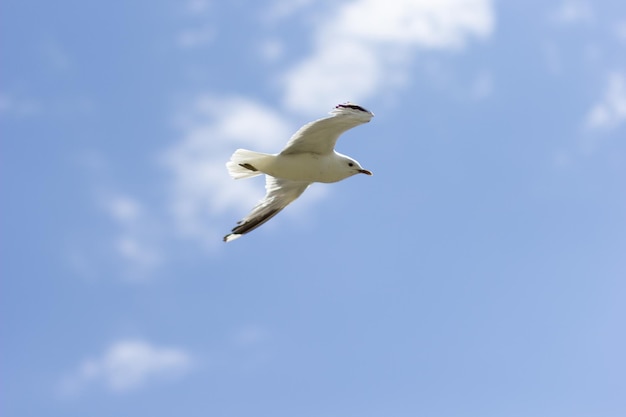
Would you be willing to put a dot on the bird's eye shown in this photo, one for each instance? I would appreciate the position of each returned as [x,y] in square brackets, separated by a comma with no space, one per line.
[350,164]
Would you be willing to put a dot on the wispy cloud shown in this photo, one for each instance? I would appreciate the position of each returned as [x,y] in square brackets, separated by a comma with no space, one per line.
[56,56]
[198,6]
[366,46]
[573,12]
[26,107]
[282,9]
[196,37]
[136,242]
[212,128]
[483,86]
[127,365]
[610,111]
[124,208]
[19,107]
[271,50]
[199,30]
[250,335]
[620,30]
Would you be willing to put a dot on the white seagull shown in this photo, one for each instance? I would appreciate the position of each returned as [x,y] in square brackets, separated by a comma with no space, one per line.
[309,157]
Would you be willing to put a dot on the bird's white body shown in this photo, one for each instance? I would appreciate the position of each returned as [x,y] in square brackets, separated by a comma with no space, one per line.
[308,167]
[308,157]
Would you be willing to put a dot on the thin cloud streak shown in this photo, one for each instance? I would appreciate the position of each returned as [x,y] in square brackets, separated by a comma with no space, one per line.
[137,242]
[128,365]
[610,111]
[574,12]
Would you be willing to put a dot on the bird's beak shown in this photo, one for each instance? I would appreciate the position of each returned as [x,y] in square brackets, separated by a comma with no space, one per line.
[365,171]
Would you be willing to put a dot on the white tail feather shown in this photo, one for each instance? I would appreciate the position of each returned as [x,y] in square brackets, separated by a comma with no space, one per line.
[245,164]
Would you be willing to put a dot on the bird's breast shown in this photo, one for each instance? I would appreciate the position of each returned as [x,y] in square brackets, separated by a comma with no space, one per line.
[302,167]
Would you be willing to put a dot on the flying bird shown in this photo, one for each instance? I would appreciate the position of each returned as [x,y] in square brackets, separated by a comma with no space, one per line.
[308,157]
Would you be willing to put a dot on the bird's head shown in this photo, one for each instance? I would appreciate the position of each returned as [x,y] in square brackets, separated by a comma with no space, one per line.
[352,167]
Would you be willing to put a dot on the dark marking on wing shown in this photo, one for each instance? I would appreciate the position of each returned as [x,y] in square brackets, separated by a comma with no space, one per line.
[352,106]
[248,166]
[243,228]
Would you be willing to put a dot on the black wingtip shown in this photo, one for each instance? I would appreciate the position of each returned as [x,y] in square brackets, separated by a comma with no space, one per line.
[351,106]
[244,227]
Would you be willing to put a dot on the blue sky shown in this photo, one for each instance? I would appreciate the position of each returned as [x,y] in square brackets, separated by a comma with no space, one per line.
[479,272]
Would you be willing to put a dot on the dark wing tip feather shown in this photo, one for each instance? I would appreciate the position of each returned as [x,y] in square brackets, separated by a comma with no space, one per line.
[351,106]
[244,227]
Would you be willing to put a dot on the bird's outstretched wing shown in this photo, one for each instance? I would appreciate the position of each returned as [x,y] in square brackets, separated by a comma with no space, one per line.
[320,136]
[279,193]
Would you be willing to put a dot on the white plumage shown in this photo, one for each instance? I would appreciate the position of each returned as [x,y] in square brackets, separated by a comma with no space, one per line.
[308,157]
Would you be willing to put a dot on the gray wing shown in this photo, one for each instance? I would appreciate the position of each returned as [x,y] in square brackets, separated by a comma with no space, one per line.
[279,194]
[320,136]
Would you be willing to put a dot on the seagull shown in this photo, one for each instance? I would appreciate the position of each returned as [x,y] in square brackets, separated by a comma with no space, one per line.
[308,157]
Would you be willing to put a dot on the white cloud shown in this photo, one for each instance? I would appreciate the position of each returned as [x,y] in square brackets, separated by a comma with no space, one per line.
[283,9]
[5,103]
[199,33]
[196,37]
[340,72]
[271,50]
[552,57]
[124,208]
[212,129]
[438,24]
[610,111]
[20,107]
[366,46]
[141,255]
[127,365]
[198,6]
[56,56]
[482,87]
[574,11]
[137,242]
[620,30]
[250,335]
